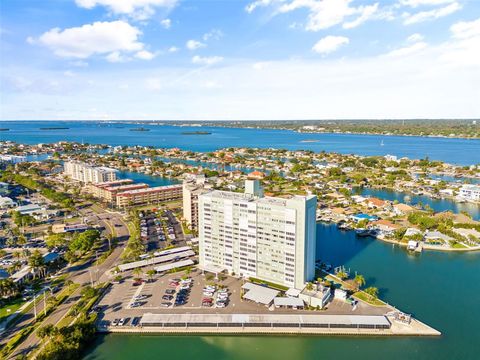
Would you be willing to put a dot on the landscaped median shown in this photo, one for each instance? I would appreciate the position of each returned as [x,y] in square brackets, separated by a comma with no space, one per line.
[24,333]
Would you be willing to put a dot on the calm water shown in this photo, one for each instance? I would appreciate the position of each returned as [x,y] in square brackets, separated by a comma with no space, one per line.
[147,179]
[438,205]
[458,151]
[441,289]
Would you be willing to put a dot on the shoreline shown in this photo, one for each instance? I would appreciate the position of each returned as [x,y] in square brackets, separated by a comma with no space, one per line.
[417,328]
[430,247]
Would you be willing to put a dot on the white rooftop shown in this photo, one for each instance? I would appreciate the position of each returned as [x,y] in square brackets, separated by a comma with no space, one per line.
[174,265]
[259,294]
[288,301]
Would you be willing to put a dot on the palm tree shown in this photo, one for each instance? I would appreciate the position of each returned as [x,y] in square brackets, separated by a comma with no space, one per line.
[151,273]
[36,262]
[359,280]
[342,275]
[372,291]
[138,272]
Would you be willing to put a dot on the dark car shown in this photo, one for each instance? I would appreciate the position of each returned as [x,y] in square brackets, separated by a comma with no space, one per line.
[167,297]
[170,291]
[136,321]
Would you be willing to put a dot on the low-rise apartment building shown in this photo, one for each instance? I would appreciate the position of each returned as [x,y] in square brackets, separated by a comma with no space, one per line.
[148,196]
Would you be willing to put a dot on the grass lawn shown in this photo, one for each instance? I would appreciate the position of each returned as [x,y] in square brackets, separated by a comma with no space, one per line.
[368,299]
[12,305]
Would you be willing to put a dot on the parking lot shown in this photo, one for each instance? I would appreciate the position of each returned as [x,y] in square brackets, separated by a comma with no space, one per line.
[149,298]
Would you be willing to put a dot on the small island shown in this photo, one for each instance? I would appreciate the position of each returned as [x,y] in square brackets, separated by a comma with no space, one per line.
[4,129]
[140,129]
[54,128]
[196,133]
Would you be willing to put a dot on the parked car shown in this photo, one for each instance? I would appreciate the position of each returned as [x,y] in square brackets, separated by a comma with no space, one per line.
[167,297]
[170,291]
[166,304]
[115,322]
[136,321]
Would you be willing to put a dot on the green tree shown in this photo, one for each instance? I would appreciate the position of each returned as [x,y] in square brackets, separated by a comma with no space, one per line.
[372,291]
[36,262]
[359,280]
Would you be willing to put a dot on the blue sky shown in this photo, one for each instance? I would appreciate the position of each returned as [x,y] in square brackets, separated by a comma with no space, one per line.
[235,59]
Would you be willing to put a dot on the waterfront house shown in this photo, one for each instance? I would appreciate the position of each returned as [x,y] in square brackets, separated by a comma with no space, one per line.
[436,237]
[6,203]
[469,192]
[402,209]
[375,203]
[385,226]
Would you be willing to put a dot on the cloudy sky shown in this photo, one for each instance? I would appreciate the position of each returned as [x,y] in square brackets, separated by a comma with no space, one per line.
[235,59]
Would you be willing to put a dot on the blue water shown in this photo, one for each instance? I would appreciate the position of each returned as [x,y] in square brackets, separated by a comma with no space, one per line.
[459,151]
[147,179]
[440,289]
[438,205]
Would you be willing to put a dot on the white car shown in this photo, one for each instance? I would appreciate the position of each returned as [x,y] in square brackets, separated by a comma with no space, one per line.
[209,294]
[186,281]
[222,296]
[140,297]
[121,322]
[220,305]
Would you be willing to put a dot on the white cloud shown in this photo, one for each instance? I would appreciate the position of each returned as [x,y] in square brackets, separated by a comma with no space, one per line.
[259,3]
[145,55]
[415,38]
[166,23]
[213,34]
[464,48]
[138,9]
[90,39]
[466,29]
[173,49]
[69,73]
[416,3]
[408,50]
[206,60]
[323,14]
[194,45]
[261,65]
[431,14]
[153,84]
[116,57]
[79,63]
[330,44]
[366,13]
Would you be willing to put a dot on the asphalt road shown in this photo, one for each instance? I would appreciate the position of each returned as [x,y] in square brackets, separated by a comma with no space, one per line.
[83,274]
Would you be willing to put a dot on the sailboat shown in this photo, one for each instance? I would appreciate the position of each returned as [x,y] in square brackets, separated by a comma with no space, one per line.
[381,143]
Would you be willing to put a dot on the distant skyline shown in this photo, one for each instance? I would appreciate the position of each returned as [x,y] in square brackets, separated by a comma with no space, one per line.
[239,60]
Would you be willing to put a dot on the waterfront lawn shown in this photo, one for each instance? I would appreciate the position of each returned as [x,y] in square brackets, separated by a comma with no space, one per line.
[368,299]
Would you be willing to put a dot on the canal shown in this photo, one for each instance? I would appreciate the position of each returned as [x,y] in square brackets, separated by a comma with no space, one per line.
[441,289]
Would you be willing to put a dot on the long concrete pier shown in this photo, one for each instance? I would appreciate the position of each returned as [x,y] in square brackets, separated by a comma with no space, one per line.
[308,325]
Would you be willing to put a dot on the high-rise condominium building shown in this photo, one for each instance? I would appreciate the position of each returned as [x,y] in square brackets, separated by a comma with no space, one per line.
[86,173]
[192,188]
[268,238]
